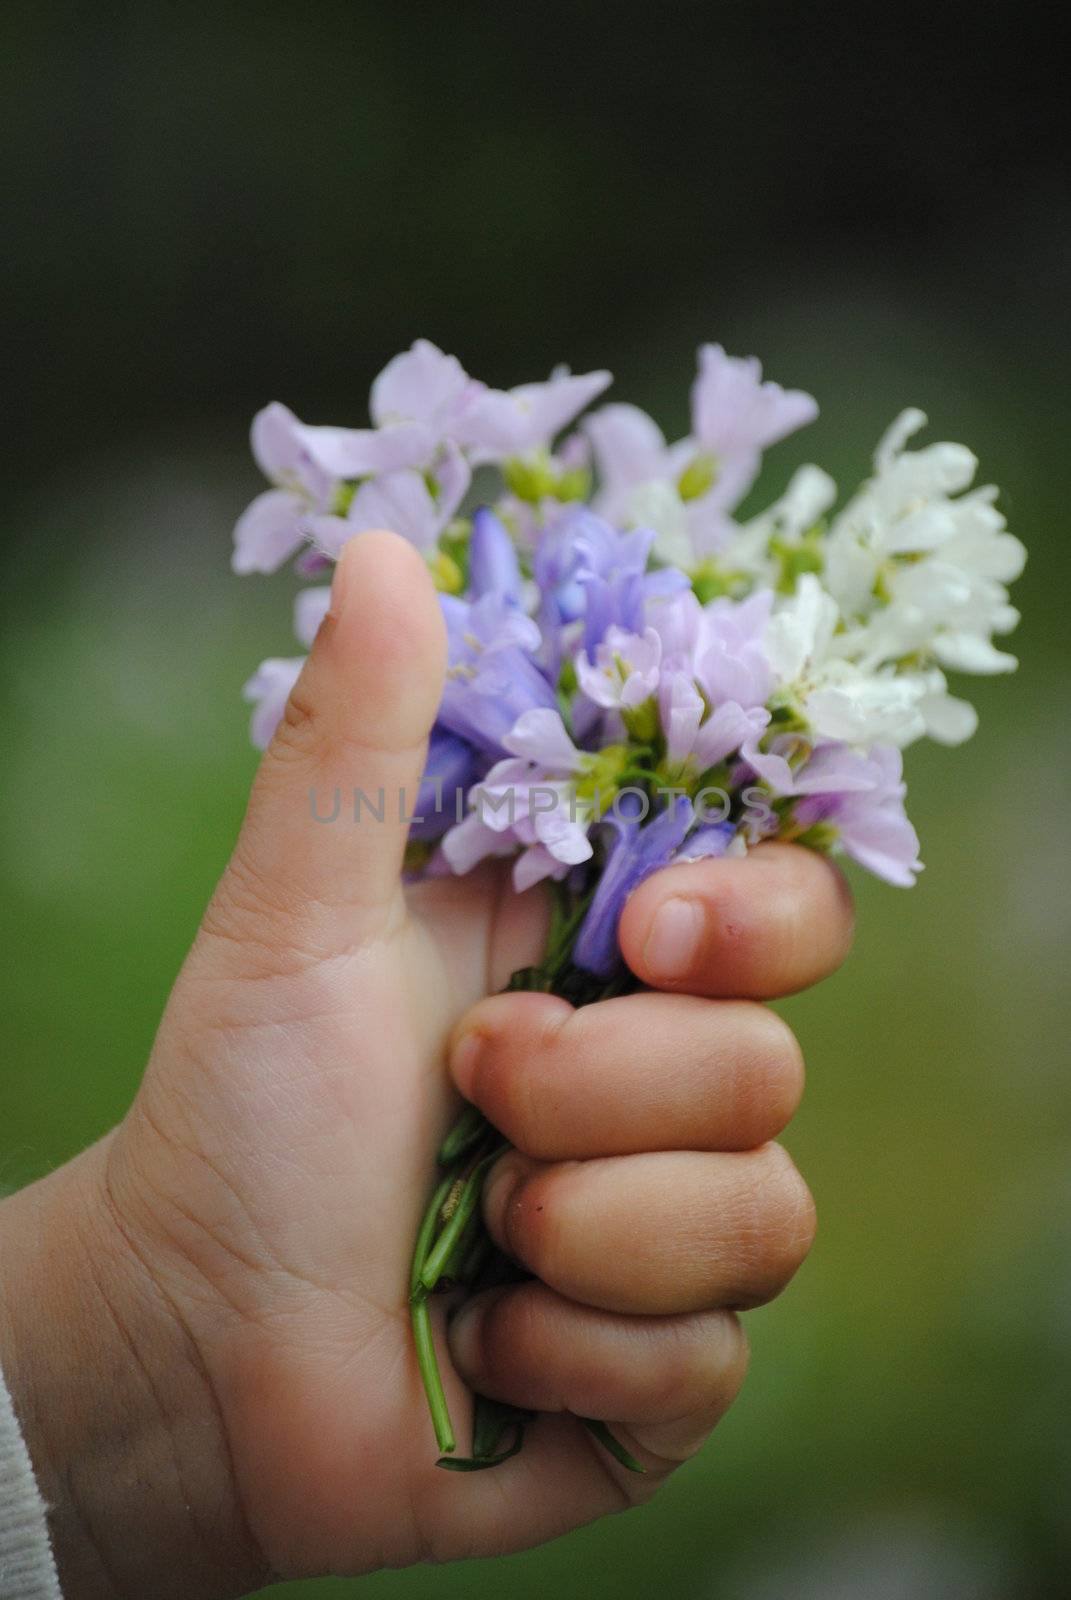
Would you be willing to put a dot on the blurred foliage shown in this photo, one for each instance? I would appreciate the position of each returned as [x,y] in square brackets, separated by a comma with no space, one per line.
[214,209]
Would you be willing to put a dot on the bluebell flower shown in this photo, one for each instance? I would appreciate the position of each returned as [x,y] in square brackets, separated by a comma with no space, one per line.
[451,769]
[638,850]
[493,564]
[491,677]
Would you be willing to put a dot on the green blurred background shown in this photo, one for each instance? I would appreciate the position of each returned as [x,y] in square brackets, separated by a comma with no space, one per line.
[213,208]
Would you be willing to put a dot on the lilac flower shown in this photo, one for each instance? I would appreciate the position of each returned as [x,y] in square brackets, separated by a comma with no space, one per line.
[534,796]
[471,841]
[699,739]
[417,403]
[702,478]
[269,690]
[625,671]
[271,529]
[514,422]
[483,625]
[720,644]
[737,416]
[310,609]
[401,501]
[483,707]
[630,451]
[605,667]
[731,659]
[861,797]
[423,385]
[637,852]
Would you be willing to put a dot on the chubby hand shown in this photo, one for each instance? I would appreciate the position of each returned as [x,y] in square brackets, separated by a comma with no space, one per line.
[206,1326]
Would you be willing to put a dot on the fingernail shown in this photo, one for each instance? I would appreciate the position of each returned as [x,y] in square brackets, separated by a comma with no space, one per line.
[503,1182]
[464,1058]
[673,942]
[463,1336]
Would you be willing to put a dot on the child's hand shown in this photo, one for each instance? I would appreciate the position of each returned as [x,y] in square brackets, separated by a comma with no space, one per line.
[207,1324]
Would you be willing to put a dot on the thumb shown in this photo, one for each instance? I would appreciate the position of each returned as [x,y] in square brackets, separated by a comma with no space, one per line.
[326,826]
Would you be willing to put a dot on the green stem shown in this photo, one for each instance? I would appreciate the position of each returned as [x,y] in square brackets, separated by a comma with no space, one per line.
[466,1132]
[560,949]
[420,1317]
[600,1431]
[437,1257]
[459,1247]
[426,1232]
[432,1378]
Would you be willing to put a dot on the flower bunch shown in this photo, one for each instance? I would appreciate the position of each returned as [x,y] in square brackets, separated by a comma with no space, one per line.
[637,674]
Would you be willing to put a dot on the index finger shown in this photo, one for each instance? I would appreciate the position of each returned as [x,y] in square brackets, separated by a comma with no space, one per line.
[753,927]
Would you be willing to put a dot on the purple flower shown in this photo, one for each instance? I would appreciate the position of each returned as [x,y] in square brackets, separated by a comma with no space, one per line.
[735,414]
[449,772]
[630,451]
[418,401]
[703,740]
[310,609]
[732,662]
[637,851]
[702,478]
[513,422]
[720,645]
[271,529]
[491,679]
[423,385]
[493,564]
[862,798]
[471,841]
[269,689]
[401,501]
[625,671]
[529,798]
[586,568]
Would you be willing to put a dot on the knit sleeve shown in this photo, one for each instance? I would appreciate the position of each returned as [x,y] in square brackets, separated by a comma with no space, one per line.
[27,1571]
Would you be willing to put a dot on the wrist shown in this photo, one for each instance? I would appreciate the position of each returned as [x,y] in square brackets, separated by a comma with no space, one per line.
[116,1408]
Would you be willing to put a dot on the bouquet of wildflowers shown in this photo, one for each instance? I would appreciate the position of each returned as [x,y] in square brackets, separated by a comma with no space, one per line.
[636,675]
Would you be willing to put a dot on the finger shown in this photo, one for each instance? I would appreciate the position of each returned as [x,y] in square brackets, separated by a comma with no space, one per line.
[754,927]
[666,1380]
[655,1234]
[645,1072]
[350,748]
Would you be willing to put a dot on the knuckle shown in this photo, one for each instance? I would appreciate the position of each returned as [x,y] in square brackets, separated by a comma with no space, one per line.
[779,1229]
[534,1221]
[298,731]
[780,1069]
[245,899]
[516,1071]
[767,1075]
[704,1369]
[793,1217]
[499,1090]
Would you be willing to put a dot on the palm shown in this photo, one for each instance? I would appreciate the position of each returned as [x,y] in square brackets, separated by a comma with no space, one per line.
[302,1177]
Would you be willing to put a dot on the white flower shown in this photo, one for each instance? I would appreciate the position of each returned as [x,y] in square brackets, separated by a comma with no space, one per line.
[837,698]
[918,565]
[810,494]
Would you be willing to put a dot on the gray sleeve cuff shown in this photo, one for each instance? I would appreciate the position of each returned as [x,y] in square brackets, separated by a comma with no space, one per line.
[27,1570]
